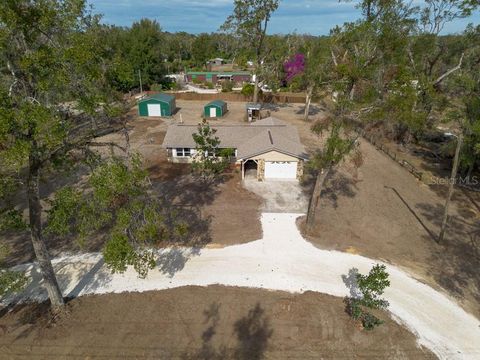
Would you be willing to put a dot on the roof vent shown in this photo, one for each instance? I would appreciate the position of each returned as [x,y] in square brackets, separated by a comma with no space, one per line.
[270,136]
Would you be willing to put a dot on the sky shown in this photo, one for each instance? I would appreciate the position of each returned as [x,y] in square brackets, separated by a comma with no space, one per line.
[314,17]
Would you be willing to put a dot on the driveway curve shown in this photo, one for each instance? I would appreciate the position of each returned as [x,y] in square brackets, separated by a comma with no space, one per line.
[281,260]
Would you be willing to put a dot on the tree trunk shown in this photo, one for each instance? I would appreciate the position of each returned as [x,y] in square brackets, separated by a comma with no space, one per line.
[308,100]
[255,89]
[41,253]
[312,206]
[450,188]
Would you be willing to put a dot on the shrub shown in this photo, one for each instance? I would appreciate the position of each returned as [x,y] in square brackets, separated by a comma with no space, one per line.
[371,287]
[248,89]
[227,86]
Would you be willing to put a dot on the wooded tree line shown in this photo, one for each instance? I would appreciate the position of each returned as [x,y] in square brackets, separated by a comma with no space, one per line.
[63,74]
[391,67]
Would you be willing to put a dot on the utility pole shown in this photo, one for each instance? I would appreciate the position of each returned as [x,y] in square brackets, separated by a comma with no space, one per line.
[453,178]
[140,78]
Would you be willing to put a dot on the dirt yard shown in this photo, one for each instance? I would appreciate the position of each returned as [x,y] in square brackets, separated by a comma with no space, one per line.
[202,323]
[386,213]
[213,218]
[225,221]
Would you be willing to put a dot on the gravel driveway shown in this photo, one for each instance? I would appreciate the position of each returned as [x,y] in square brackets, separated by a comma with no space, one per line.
[279,196]
[281,260]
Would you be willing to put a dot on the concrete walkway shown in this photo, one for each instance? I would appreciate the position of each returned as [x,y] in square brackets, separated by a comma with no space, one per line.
[282,260]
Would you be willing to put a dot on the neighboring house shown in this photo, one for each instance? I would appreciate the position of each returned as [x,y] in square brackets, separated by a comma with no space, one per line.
[214,109]
[238,77]
[266,149]
[157,105]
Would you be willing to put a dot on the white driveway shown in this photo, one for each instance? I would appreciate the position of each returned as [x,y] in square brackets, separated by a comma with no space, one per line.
[282,260]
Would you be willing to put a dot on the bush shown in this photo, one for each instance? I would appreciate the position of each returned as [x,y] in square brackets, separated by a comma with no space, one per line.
[248,89]
[371,287]
[227,86]
[156,87]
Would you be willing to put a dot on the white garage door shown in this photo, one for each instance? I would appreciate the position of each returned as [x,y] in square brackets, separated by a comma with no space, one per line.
[154,110]
[280,170]
[213,112]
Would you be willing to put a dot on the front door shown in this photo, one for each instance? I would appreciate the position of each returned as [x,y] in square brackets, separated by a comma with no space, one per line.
[213,112]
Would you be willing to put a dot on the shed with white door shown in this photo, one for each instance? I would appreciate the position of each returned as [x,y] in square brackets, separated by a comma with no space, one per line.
[216,108]
[157,105]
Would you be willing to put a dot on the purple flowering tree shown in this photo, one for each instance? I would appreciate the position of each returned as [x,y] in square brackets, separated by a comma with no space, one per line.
[294,67]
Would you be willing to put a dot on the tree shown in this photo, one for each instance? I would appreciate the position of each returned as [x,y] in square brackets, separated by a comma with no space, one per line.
[249,23]
[209,159]
[371,287]
[144,50]
[453,179]
[465,113]
[203,49]
[309,69]
[117,204]
[339,144]
[54,103]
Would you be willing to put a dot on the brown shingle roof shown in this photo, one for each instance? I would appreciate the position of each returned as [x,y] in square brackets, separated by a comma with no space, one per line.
[249,139]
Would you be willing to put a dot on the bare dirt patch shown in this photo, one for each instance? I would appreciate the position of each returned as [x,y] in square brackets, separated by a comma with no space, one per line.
[388,214]
[223,213]
[202,323]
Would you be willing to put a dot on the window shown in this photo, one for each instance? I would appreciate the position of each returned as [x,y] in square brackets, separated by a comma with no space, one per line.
[183,152]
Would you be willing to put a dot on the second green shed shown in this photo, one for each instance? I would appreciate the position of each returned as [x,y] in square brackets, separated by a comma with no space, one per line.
[157,105]
[216,108]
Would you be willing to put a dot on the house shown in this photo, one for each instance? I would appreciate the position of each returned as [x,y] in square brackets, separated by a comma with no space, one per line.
[214,109]
[238,77]
[264,150]
[157,105]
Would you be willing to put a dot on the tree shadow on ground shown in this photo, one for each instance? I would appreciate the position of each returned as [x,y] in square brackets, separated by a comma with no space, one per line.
[350,281]
[312,111]
[337,185]
[27,315]
[87,278]
[172,260]
[181,202]
[275,106]
[454,265]
[252,333]
[428,230]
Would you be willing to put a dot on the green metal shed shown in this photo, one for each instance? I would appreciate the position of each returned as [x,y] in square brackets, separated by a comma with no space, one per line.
[157,105]
[216,108]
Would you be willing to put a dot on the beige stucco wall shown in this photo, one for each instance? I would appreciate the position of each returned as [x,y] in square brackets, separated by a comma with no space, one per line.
[274,156]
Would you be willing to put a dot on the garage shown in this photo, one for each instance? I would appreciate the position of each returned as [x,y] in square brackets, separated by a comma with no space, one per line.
[157,105]
[216,108]
[281,169]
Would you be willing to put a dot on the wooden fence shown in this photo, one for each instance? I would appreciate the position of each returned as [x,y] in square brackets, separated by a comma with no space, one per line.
[280,98]
[391,154]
